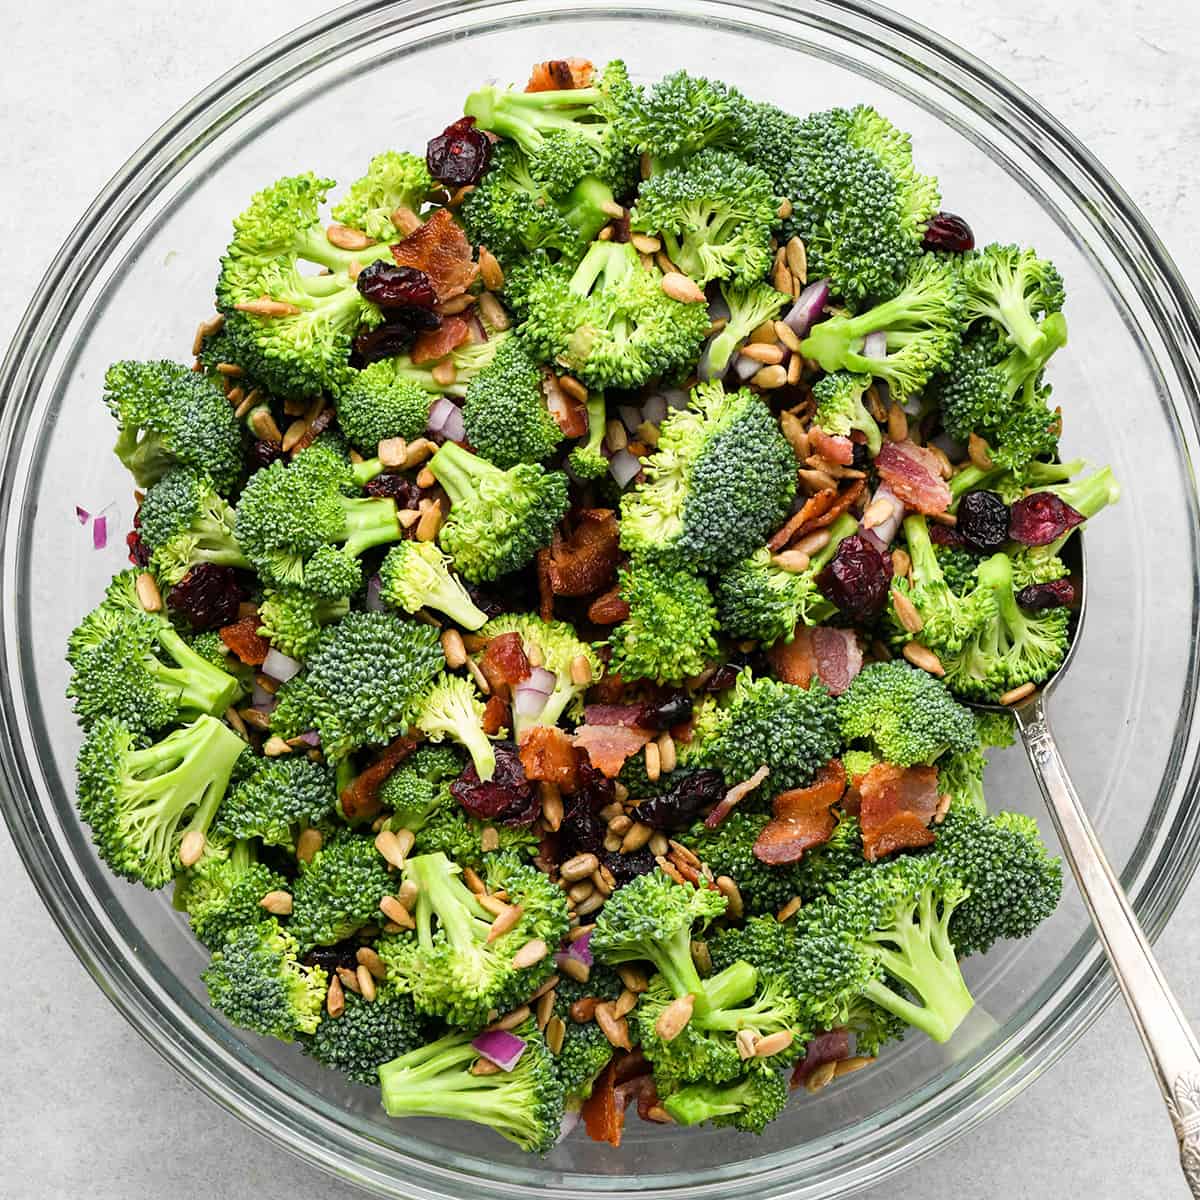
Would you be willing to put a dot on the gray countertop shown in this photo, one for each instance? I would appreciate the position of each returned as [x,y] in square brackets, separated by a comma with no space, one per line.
[90,1111]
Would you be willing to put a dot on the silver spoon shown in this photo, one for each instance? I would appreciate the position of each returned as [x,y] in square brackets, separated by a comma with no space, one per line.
[1169,1041]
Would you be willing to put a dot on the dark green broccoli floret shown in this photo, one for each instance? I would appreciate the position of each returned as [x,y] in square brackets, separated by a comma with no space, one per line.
[498,519]
[255,980]
[142,801]
[683,114]
[958,568]
[585,1050]
[749,307]
[840,408]
[1012,287]
[224,890]
[368,1034]
[749,1103]
[670,633]
[587,459]
[414,790]
[338,890]
[468,360]
[277,799]
[377,403]
[451,708]
[393,180]
[416,575]
[524,1105]
[449,831]
[505,415]
[960,774]
[718,484]
[292,618]
[169,416]
[360,682]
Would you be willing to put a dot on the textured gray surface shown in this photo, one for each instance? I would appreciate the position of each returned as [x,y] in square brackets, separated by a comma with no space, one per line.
[91,1111]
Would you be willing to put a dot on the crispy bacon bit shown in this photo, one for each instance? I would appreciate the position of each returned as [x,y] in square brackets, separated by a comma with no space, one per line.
[608,609]
[897,806]
[831,1046]
[832,655]
[912,472]
[795,662]
[608,746]
[734,796]
[835,448]
[568,412]
[560,75]
[583,562]
[503,663]
[545,587]
[547,754]
[603,1116]
[316,427]
[819,511]
[432,344]
[360,797]
[441,250]
[802,818]
[495,716]
[242,638]
[613,714]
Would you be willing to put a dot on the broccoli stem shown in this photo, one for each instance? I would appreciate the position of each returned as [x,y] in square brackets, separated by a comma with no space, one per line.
[369,523]
[970,479]
[700,1102]
[203,687]
[314,246]
[363,472]
[673,959]
[605,264]
[1012,309]
[460,472]
[1089,495]
[527,117]
[461,918]
[722,993]
[920,549]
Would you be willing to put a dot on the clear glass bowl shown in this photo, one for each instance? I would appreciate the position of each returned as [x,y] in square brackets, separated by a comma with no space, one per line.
[136,278]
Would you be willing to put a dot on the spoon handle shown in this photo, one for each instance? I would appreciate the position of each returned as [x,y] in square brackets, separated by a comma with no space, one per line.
[1168,1039]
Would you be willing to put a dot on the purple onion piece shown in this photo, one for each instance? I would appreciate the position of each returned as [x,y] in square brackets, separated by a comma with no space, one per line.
[310,737]
[528,702]
[623,467]
[82,515]
[803,315]
[885,531]
[874,345]
[500,1047]
[631,416]
[744,369]
[655,409]
[374,601]
[280,666]
[99,533]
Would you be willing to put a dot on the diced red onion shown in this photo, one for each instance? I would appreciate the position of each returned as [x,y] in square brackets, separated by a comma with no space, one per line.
[623,467]
[310,737]
[745,368]
[655,409]
[260,697]
[581,948]
[874,345]
[374,601]
[804,313]
[570,1119]
[675,397]
[82,515]
[541,680]
[446,418]
[631,416]
[527,701]
[479,334]
[500,1047]
[886,530]
[280,666]
[99,533]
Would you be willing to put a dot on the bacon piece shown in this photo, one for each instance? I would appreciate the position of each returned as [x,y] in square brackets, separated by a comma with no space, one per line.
[734,797]
[545,587]
[547,754]
[603,1116]
[839,657]
[830,1046]
[819,511]
[613,714]
[608,746]
[360,797]
[316,427]
[242,638]
[560,75]
[802,818]
[912,473]
[584,562]
[440,249]
[833,447]
[897,805]
[495,716]
[795,662]
[432,344]
[503,663]
[608,609]
[569,413]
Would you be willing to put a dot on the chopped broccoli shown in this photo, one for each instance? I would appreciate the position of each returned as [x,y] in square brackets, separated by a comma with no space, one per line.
[749,1103]
[338,890]
[368,1034]
[682,115]
[277,799]
[468,360]
[452,708]
[414,791]
[292,618]
[378,403]
[416,575]
[749,306]
[840,408]
[393,180]
[1012,287]
[957,565]
[449,831]
[585,1050]
[587,459]
[223,891]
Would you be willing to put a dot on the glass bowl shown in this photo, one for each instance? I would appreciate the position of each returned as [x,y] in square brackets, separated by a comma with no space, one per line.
[137,277]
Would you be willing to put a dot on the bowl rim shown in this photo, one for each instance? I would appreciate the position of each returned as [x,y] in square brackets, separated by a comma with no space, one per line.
[211,1063]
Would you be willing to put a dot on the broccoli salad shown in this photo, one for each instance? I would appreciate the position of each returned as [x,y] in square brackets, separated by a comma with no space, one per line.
[559,591]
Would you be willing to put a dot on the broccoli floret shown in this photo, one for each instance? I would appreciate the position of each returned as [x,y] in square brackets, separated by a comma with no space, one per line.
[468,360]
[278,798]
[448,964]
[292,618]
[907,715]
[183,521]
[524,1105]
[960,774]
[840,408]
[255,980]
[416,575]
[557,645]
[505,414]
[958,568]
[414,790]
[169,416]
[376,403]
[360,682]
[1012,287]
[223,891]
[452,708]
[587,459]
[714,215]
[720,481]
[368,1034]
[670,633]
[449,831]
[684,114]
[585,1050]
[393,180]
[749,1103]
[921,324]
[757,598]
[498,519]
[729,850]
[1029,566]
[338,890]
[609,321]
[749,307]
[142,801]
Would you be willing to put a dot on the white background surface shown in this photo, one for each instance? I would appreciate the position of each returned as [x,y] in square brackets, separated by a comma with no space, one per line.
[90,1113]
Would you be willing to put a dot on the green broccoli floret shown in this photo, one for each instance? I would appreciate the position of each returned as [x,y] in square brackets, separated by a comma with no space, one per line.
[359,683]
[587,459]
[840,408]
[368,1034]
[338,890]
[524,1105]
[277,799]
[1012,287]
[505,414]
[498,519]
[960,773]
[142,801]
[416,575]
[907,715]
[448,964]
[749,307]
[749,1103]
[1028,567]
[670,633]
[921,323]
[306,349]
[757,598]
[468,360]
[451,708]
[168,416]
[585,1050]
[377,403]
[557,645]
[609,321]
[415,789]
[682,114]
[449,831]
[714,214]
[223,891]
[292,618]
[393,180]
[958,568]
[719,483]
[255,981]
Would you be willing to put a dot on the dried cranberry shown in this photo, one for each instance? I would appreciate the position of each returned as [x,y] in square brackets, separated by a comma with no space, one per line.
[405,493]
[675,710]
[689,796]
[622,228]
[507,797]
[983,521]
[343,954]
[139,552]
[857,578]
[945,535]
[388,286]
[627,867]
[460,154]
[487,603]
[393,337]
[862,457]
[208,595]
[1047,595]
[263,453]
[725,676]
[950,233]
[1040,519]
